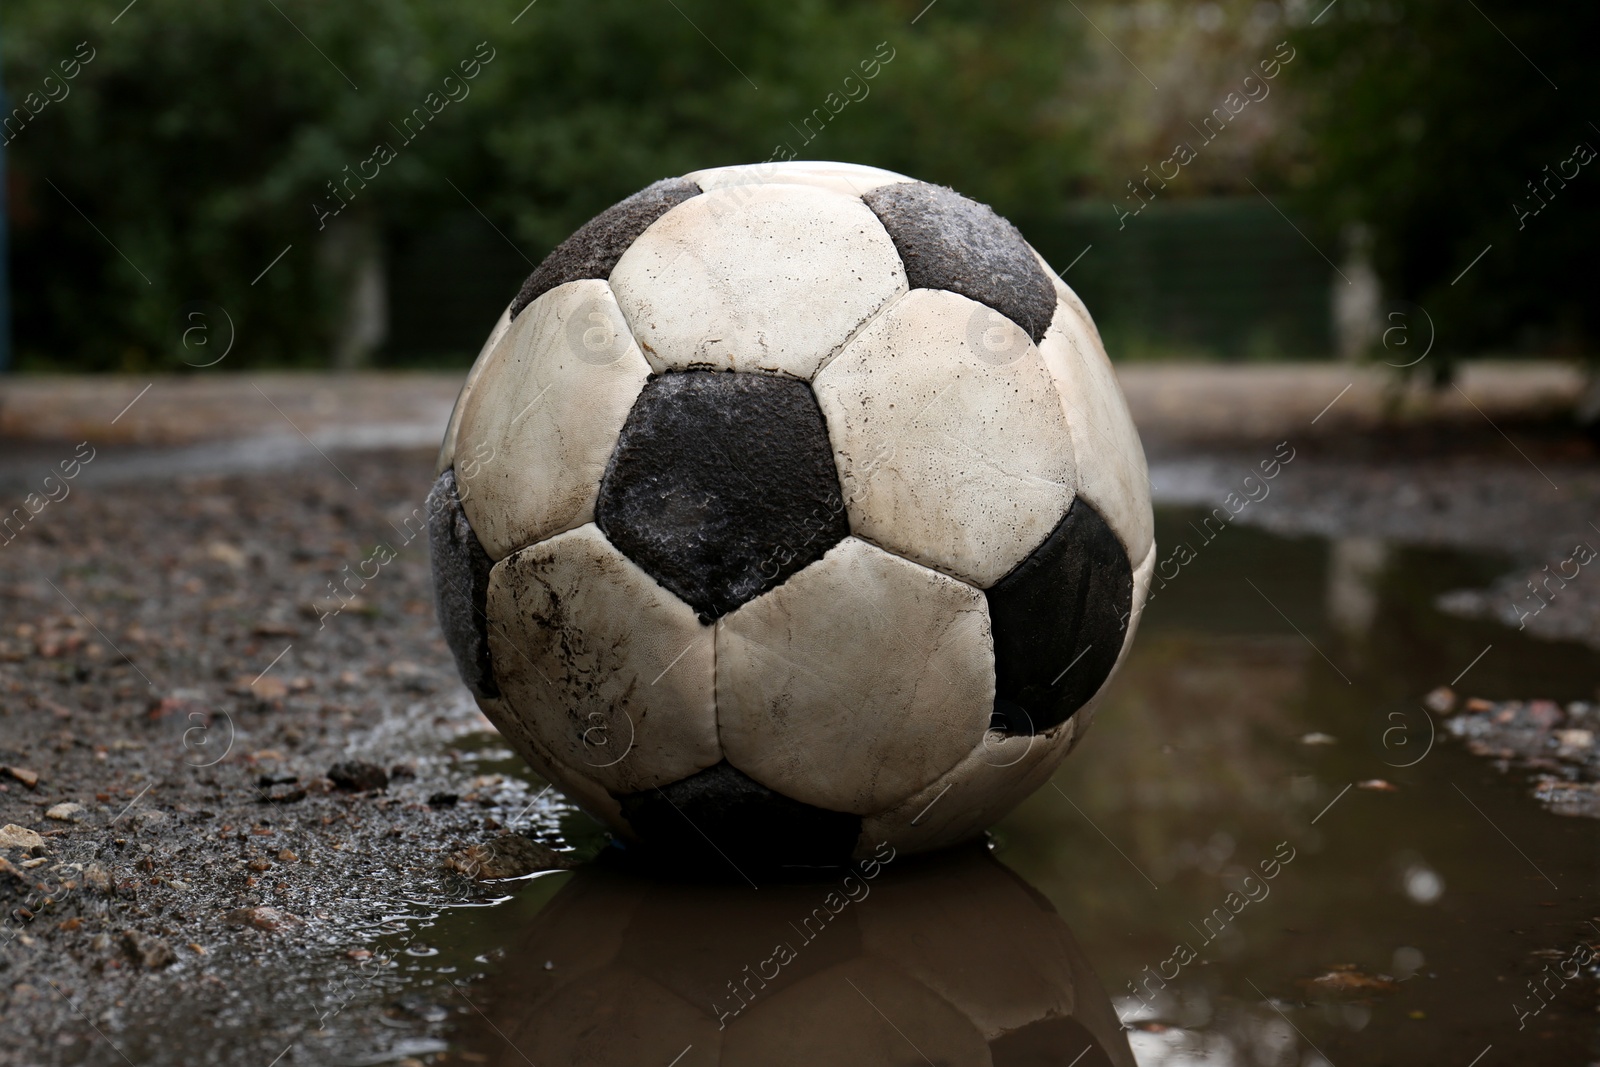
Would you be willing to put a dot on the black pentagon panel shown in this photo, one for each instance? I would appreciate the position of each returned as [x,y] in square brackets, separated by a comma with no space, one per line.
[594,248]
[1049,1043]
[722,486]
[460,586]
[950,242]
[1059,619]
[721,816]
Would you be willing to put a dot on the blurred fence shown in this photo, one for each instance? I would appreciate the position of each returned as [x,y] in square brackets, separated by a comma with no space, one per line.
[1208,279]
[1227,278]
[446,289]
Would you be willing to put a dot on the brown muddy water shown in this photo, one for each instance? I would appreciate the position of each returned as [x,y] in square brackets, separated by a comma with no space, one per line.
[1265,853]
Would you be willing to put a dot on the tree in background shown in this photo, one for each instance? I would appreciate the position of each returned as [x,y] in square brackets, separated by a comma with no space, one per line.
[1445,127]
[1160,71]
[183,158]
[200,140]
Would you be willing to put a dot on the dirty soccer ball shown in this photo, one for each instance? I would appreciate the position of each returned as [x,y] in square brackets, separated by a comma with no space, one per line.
[792,509]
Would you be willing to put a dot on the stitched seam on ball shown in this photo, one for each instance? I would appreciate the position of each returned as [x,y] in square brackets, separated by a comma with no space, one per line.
[1077,417]
[924,565]
[862,327]
[870,319]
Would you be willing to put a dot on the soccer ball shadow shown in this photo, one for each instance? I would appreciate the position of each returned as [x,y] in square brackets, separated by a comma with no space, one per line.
[949,958]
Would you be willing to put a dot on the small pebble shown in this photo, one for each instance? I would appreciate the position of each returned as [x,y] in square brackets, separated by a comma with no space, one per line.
[358,776]
[1577,740]
[14,836]
[153,952]
[271,920]
[1319,739]
[231,555]
[66,812]
[23,775]
[1544,713]
[265,689]
[1441,700]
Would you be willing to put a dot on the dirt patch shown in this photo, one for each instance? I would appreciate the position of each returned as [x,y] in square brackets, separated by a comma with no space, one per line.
[213,790]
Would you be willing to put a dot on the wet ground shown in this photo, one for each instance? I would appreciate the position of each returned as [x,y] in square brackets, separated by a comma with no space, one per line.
[197,738]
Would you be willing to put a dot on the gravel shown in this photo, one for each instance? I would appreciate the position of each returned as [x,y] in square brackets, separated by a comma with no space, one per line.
[209,798]
[1555,743]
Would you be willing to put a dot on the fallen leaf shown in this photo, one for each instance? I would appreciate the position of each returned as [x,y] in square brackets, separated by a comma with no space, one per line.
[1346,981]
[222,552]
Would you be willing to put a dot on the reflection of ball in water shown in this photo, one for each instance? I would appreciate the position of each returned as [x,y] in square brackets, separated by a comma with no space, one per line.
[951,960]
[792,507]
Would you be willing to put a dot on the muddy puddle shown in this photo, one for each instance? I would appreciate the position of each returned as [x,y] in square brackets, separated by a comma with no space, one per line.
[1265,853]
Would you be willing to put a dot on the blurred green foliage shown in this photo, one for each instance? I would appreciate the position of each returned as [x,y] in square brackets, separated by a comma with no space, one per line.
[1426,122]
[201,139]
[200,135]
